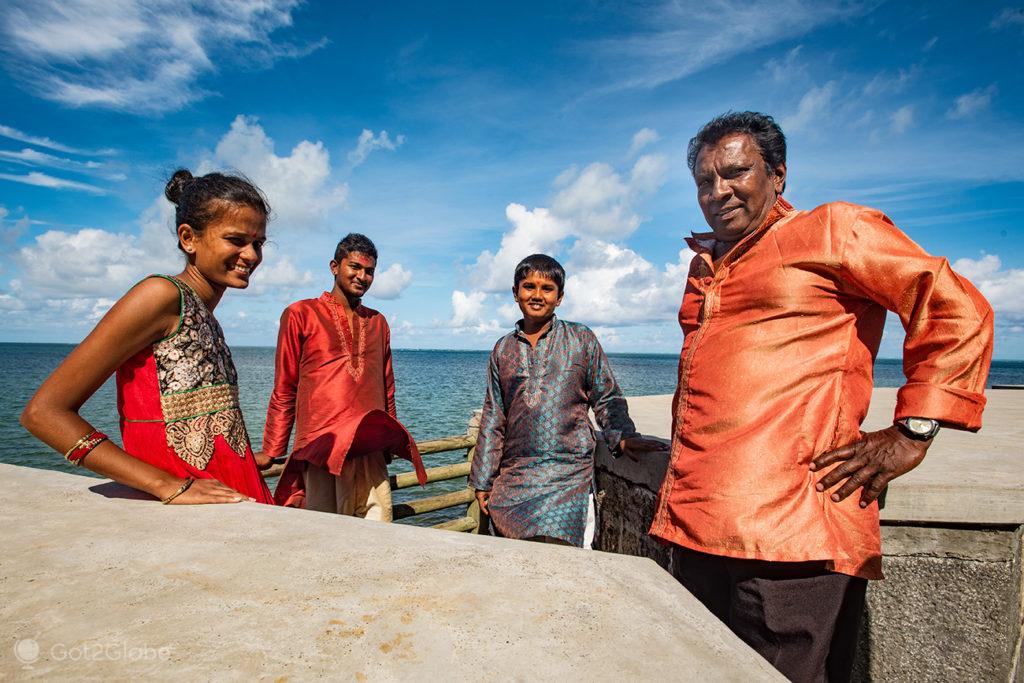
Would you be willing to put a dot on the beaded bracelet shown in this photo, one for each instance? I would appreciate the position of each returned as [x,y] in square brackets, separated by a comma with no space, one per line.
[84,446]
[184,487]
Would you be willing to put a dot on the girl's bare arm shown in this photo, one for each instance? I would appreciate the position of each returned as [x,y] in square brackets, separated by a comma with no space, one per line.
[148,312]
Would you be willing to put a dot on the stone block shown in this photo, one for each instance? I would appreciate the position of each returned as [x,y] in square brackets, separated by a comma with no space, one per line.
[949,608]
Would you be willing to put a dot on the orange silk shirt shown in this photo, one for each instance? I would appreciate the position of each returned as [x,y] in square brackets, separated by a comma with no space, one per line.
[776,368]
[336,384]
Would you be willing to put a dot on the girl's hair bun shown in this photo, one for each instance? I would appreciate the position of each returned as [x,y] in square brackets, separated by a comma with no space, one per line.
[176,185]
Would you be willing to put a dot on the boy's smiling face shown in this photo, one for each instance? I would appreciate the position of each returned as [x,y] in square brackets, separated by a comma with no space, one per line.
[538,296]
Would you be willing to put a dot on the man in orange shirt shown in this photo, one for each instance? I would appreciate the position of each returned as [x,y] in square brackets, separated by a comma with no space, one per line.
[782,315]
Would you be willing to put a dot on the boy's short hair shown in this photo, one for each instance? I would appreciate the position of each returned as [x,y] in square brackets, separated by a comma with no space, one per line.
[542,264]
[352,242]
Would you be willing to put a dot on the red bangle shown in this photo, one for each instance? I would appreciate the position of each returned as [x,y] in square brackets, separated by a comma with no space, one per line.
[84,446]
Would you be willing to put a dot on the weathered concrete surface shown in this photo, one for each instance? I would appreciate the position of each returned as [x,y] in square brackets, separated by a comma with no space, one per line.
[951,606]
[98,586]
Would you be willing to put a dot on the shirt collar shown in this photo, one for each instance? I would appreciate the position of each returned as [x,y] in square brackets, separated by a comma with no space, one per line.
[329,298]
[705,241]
[545,332]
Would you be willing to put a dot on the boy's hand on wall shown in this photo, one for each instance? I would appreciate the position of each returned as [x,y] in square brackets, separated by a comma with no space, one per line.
[635,445]
[482,498]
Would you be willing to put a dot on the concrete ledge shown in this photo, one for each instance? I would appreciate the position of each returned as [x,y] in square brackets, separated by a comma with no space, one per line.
[95,585]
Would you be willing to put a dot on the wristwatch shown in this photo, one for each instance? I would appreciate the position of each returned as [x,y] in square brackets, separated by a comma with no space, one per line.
[918,428]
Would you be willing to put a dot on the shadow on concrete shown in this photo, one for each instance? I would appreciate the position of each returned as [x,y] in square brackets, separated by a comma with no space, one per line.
[112,489]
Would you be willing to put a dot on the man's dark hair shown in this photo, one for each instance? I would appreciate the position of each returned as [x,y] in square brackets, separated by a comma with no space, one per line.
[542,264]
[766,133]
[353,242]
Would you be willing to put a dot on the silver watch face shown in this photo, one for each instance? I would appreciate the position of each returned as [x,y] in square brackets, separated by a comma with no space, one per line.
[919,425]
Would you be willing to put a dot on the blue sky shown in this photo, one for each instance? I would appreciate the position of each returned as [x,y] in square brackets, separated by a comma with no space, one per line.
[462,136]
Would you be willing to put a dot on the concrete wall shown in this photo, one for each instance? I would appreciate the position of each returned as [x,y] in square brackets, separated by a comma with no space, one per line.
[951,605]
[98,582]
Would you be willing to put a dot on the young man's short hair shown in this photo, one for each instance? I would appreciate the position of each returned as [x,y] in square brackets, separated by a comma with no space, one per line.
[354,242]
[542,264]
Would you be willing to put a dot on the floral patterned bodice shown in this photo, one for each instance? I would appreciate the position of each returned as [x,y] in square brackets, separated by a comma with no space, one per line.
[198,384]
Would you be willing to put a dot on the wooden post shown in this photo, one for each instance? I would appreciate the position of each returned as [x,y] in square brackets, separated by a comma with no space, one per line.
[474,512]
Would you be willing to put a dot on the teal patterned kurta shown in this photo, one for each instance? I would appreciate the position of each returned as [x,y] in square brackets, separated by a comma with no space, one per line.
[535,452]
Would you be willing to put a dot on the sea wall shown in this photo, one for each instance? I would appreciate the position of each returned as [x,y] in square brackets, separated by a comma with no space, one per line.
[950,607]
[99,582]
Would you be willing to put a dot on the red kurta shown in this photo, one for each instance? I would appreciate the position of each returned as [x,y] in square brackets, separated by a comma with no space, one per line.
[337,386]
[776,368]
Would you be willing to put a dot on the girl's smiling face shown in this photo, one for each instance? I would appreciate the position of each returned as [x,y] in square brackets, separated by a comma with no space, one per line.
[230,248]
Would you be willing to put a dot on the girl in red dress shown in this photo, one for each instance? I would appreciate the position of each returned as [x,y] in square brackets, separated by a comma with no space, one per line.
[184,440]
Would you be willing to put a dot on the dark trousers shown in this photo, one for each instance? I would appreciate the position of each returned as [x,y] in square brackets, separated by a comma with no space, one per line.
[799,616]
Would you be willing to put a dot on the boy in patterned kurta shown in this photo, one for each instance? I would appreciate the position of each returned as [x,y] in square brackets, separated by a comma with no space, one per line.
[534,463]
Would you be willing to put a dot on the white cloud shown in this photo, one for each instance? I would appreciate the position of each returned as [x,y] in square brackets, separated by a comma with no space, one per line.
[784,70]
[89,263]
[595,201]
[390,283]
[46,180]
[532,232]
[885,83]
[467,310]
[509,313]
[1011,17]
[137,56]
[683,38]
[647,175]
[1004,289]
[298,186]
[599,201]
[10,303]
[36,158]
[279,275]
[10,235]
[813,105]
[15,134]
[591,206]
[969,104]
[368,142]
[75,30]
[930,44]
[33,157]
[902,119]
[641,139]
[612,285]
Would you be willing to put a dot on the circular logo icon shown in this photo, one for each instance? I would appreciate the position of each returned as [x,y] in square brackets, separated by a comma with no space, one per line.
[27,651]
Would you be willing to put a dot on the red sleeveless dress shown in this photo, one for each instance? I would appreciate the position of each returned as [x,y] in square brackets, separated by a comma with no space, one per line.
[178,404]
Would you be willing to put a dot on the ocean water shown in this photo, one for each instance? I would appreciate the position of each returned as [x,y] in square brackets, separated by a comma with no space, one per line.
[436,393]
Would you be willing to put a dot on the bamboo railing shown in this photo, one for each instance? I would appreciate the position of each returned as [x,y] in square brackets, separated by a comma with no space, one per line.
[471,523]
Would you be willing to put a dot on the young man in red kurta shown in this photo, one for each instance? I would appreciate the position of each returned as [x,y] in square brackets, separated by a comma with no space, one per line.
[333,380]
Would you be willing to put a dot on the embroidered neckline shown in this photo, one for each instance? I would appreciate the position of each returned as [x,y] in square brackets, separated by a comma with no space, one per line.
[352,343]
[536,362]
